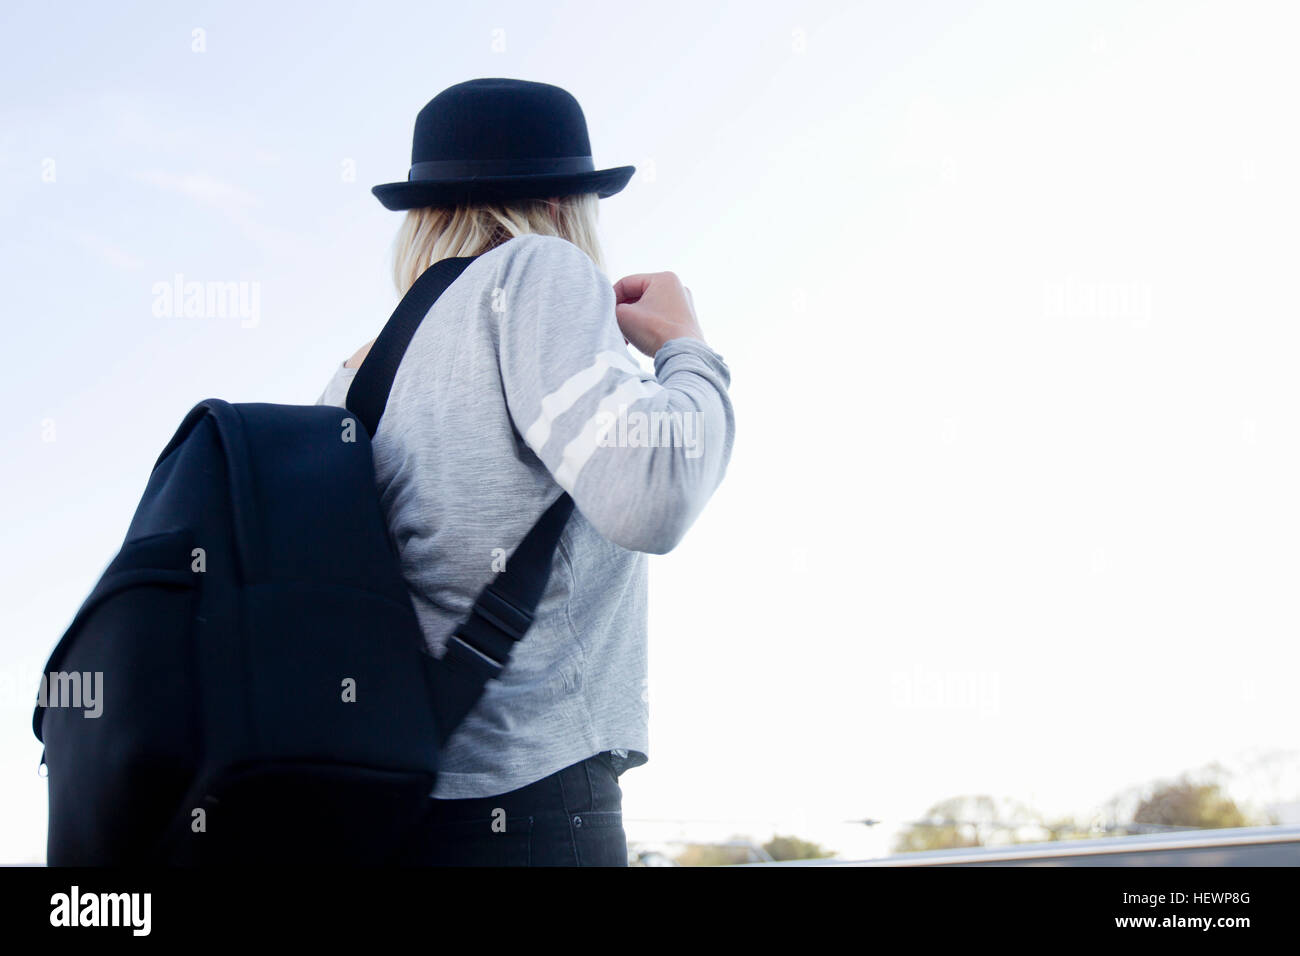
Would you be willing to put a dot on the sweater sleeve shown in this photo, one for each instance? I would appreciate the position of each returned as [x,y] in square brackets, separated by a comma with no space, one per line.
[640,454]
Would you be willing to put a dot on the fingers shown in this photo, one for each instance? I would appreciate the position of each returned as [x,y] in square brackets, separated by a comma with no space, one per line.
[629,312]
[630,288]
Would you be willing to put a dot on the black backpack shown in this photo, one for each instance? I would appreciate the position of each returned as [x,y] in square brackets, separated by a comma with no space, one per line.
[263,689]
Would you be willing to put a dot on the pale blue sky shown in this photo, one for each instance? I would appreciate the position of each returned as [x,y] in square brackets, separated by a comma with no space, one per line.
[1008,294]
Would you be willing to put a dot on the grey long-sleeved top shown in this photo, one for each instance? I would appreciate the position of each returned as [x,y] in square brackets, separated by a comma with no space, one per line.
[517,384]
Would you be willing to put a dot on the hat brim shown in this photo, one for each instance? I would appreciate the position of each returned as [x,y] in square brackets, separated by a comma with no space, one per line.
[451,192]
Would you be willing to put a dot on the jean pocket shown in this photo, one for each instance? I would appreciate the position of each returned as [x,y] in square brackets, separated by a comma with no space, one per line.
[485,841]
[606,794]
[599,838]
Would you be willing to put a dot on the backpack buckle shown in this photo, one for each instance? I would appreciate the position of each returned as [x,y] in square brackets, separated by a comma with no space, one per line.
[493,626]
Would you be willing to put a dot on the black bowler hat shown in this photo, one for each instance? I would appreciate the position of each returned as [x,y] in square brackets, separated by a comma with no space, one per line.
[496,139]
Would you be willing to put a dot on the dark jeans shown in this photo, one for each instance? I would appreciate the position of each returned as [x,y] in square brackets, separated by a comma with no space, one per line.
[572,818]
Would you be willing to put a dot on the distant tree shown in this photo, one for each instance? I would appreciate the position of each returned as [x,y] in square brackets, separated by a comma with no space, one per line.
[1190,801]
[949,824]
[738,849]
[1068,828]
[1271,777]
[974,821]
[1186,803]
[792,848]
[742,849]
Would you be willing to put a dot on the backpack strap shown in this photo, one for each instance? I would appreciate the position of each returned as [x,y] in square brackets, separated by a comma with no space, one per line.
[480,647]
[368,394]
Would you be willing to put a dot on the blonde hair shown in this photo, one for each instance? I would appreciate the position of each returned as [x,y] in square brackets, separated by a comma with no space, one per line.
[429,234]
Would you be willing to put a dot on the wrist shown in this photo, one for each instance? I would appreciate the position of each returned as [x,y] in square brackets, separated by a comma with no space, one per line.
[694,336]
